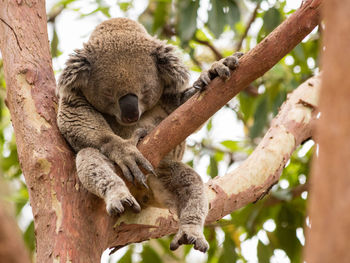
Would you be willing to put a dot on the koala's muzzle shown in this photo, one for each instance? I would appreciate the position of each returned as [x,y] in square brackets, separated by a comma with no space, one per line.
[129,108]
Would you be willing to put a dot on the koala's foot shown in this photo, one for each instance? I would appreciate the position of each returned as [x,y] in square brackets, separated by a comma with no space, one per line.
[190,234]
[219,69]
[116,203]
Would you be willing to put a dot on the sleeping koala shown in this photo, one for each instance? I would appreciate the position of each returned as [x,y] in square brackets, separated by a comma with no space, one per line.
[112,92]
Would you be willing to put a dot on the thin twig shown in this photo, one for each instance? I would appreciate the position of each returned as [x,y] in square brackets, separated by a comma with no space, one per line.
[216,52]
[250,22]
[295,192]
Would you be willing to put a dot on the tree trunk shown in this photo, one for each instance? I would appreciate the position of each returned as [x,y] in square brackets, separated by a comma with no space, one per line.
[328,238]
[70,223]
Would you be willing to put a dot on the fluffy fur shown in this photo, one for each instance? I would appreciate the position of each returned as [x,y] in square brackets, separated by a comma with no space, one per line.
[113,91]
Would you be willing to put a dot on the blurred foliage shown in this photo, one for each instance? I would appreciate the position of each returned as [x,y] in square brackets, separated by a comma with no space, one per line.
[267,231]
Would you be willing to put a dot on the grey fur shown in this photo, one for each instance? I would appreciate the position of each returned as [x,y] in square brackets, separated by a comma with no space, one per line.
[120,58]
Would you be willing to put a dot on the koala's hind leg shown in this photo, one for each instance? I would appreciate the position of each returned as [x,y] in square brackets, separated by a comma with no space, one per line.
[188,189]
[97,174]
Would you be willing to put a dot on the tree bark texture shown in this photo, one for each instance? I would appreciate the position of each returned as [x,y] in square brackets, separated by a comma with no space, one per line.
[328,238]
[249,182]
[66,217]
[70,223]
[187,118]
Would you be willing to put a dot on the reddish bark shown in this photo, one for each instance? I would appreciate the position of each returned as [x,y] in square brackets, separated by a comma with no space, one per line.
[187,118]
[70,223]
[328,238]
[246,184]
[64,218]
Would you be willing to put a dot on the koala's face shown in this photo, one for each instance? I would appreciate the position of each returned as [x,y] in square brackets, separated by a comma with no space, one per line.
[123,84]
[122,71]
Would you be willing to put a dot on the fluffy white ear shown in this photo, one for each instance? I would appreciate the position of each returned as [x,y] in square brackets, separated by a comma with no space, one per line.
[77,71]
[171,69]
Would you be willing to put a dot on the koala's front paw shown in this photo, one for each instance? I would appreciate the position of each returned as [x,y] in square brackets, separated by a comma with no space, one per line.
[128,158]
[117,202]
[220,69]
[190,234]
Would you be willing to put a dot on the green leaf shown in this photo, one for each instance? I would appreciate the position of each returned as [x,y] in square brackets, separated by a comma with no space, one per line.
[233,14]
[260,118]
[229,254]
[160,15]
[247,105]
[264,252]
[216,17]
[213,167]
[209,125]
[272,18]
[127,257]
[125,6]
[298,52]
[210,235]
[148,255]
[165,244]
[54,44]
[287,221]
[187,19]
[29,237]
[232,145]
[222,12]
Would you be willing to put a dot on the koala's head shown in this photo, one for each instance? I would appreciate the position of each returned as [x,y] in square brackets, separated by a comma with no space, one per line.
[122,71]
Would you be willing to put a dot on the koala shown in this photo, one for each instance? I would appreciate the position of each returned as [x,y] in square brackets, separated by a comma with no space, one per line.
[112,92]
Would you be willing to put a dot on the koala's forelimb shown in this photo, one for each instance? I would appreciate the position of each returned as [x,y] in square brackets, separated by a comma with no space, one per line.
[98,175]
[83,127]
[115,90]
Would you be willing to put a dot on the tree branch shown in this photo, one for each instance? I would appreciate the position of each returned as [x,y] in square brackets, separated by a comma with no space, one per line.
[216,52]
[249,182]
[72,224]
[187,118]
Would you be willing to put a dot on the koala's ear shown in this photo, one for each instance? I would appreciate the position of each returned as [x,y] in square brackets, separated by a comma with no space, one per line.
[171,69]
[76,73]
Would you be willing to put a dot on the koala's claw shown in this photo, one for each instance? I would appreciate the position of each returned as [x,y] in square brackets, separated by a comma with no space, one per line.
[116,206]
[219,69]
[138,135]
[132,172]
[130,160]
[190,235]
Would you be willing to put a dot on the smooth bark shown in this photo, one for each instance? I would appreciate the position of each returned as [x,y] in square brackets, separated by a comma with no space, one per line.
[328,238]
[187,118]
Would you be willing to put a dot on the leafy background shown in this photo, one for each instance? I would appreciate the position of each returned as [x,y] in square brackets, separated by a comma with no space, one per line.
[271,230]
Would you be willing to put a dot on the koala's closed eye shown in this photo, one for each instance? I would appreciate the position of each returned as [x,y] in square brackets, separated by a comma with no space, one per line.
[146,88]
[107,93]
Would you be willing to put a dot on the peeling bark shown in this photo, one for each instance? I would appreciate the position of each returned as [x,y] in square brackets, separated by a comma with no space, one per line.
[70,223]
[250,181]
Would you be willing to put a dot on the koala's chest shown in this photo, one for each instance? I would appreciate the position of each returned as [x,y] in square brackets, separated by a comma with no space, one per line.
[148,121]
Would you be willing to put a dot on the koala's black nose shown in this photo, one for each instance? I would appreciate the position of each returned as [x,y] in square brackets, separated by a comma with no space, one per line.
[129,107]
